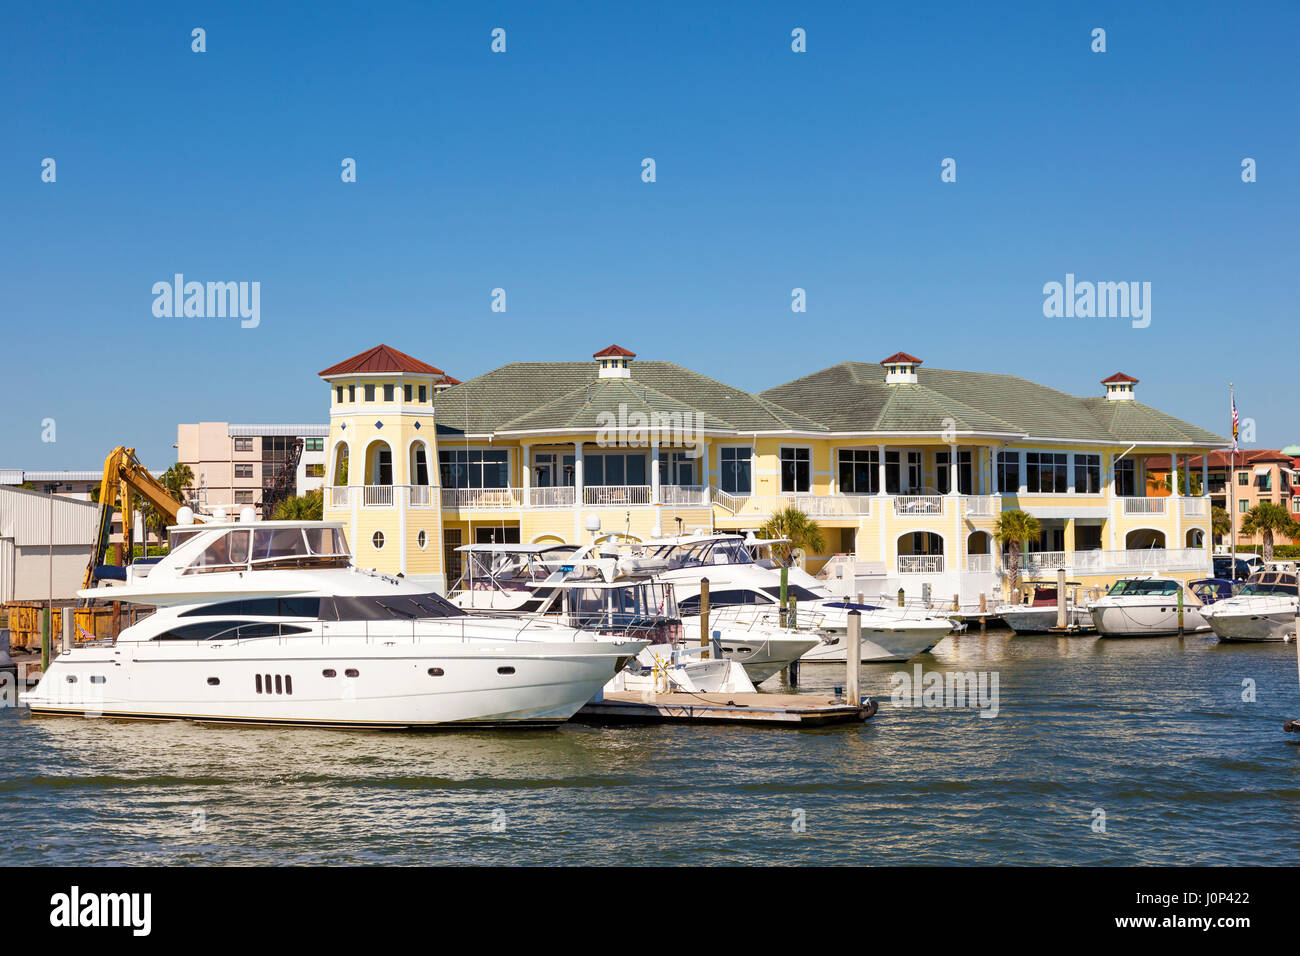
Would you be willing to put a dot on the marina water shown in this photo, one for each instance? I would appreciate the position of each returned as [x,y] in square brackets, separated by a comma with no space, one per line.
[1152,733]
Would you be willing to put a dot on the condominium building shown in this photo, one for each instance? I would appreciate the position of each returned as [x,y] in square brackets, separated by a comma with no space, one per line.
[1239,482]
[235,465]
[905,468]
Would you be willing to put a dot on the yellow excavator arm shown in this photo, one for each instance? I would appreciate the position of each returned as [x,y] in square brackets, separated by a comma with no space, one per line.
[125,479]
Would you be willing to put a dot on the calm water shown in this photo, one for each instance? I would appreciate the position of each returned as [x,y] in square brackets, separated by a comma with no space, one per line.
[1154,732]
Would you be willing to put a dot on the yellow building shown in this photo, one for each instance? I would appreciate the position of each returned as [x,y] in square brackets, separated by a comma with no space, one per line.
[905,468]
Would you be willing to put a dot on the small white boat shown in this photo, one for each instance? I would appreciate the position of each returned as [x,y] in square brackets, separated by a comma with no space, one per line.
[1039,615]
[764,650]
[1146,607]
[1264,609]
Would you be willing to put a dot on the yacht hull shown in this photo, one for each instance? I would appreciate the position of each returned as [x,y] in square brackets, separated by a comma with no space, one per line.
[1041,620]
[1272,622]
[884,644]
[1145,620]
[286,684]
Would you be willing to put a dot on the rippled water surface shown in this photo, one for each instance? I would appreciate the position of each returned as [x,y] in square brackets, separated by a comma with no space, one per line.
[1153,732]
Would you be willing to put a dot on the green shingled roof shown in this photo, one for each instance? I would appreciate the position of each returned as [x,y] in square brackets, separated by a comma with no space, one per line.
[535,396]
[853,396]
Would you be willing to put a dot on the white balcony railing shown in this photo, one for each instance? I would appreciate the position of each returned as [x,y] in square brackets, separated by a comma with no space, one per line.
[918,505]
[982,506]
[377,496]
[1196,507]
[817,506]
[980,563]
[338,497]
[1043,560]
[421,496]
[920,564]
[560,497]
[684,495]
[481,499]
[1144,506]
[615,496]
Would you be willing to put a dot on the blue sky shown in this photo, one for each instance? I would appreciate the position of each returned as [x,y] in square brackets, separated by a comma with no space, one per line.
[522,170]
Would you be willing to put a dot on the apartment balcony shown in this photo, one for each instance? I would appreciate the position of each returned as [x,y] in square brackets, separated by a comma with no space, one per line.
[914,505]
[615,496]
[1131,561]
[684,496]
[920,564]
[557,497]
[816,506]
[482,499]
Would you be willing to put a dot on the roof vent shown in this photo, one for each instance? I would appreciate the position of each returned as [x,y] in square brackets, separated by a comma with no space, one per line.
[900,369]
[614,362]
[1119,387]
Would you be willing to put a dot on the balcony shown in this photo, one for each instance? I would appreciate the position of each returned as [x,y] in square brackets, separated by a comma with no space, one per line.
[816,506]
[615,496]
[1144,506]
[688,496]
[338,496]
[914,505]
[920,564]
[377,496]
[558,497]
[482,499]
[982,506]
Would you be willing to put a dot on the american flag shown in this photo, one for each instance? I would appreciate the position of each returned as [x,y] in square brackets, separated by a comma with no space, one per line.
[1234,423]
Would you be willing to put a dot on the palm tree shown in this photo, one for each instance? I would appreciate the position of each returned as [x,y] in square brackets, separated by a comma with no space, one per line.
[178,480]
[1013,528]
[308,507]
[1164,482]
[1265,519]
[802,532]
[1220,522]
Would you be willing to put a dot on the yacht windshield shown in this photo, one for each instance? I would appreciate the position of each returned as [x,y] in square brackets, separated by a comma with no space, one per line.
[1271,583]
[270,547]
[703,553]
[1144,587]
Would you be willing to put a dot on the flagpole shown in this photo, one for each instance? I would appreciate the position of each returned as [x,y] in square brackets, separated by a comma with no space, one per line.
[1232,477]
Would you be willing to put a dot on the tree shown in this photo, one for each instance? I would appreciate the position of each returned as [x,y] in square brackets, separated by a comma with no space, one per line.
[1221,522]
[178,480]
[308,507]
[1014,528]
[1265,519]
[802,532]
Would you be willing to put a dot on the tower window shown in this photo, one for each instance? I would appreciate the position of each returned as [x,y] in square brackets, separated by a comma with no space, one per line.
[389,393]
[370,393]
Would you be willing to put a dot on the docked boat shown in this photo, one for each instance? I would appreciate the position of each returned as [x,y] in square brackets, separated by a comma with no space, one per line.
[1264,609]
[269,622]
[1040,613]
[505,577]
[1146,607]
[753,589]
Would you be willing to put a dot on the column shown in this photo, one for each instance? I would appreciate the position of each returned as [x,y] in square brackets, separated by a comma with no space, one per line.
[880,470]
[526,469]
[952,470]
[1205,476]
[654,470]
[1109,460]
[578,503]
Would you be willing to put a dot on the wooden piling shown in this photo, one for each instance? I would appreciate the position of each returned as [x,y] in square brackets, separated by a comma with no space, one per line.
[704,616]
[853,659]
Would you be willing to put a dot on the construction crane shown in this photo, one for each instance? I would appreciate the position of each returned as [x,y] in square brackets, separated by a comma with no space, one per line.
[125,479]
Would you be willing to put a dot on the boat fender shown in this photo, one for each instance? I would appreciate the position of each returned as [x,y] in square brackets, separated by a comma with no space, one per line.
[869,708]
[1292,726]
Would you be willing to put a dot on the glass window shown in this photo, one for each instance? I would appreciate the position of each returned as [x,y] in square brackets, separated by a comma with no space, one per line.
[1125,477]
[352,393]
[424,394]
[796,470]
[677,468]
[390,393]
[315,471]
[243,497]
[1243,478]
[892,473]
[406,394]
[244,471]
[243,444]
[614,469]
[313,444]
[737,471]
[338,394]
[1009,472]
[1265,482]
[859,471]
[1045,472]
[370,393]
[474,468]
[1087,474]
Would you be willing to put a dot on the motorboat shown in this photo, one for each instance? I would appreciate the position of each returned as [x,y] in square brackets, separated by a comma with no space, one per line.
[1263,610]
[504,577]
[753,588]
[1146,607]
[269,622]
[1040,613]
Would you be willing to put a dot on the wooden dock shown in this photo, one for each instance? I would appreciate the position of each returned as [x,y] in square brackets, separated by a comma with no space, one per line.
[797,710]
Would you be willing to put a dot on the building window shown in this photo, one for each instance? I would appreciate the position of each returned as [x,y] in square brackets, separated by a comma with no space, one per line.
[390,392]
[615,469]
[352,393]
[474,468]
[1241,505]
[370,393]
[244,497]
[243,444]
[1009,472]
[315,471]
[1045,472]
[244,471]
[313,444]
[424,394]
[377,540]
[1265,482]
[943,472]
[451,540]
[736,475]
[338,394]
[1243,478]
[676,468]
[421,539]
[859,471]
[796,470]
[406,394]
[1125,477]
[1087,474]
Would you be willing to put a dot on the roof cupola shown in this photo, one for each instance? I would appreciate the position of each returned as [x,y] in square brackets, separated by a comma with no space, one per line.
[900,369]
[1119,387]
[614,362]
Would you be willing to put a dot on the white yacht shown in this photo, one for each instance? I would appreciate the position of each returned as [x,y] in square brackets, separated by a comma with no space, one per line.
[1146,607]
[1039,614]
[753,589]
[1264,609]
[268,622]
[522,579]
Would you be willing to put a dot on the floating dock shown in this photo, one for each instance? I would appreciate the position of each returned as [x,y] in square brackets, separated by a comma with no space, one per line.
[797,710]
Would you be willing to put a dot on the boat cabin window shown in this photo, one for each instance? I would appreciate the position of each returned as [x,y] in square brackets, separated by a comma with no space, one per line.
[800,594]
[620,609]
[230,630]
[1144,587]
[1271,583]
[259,607]
[736,597]
[228,551]
[703,553]
[405,607]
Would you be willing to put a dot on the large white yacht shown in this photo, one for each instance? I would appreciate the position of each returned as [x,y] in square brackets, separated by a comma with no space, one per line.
[1264,609]
[1146,607]
[750,591]
[268,622]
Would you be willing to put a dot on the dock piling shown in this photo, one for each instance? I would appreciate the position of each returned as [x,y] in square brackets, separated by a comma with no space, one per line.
[704,616]
[1062,618]
[853,659]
